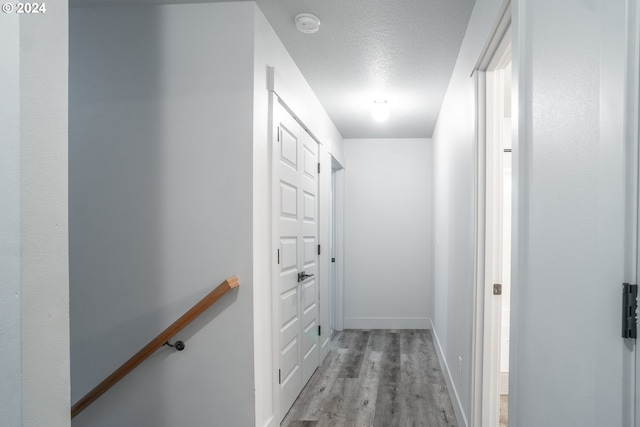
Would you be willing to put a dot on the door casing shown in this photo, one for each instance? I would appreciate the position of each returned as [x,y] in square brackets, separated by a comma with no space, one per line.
[337,249]
[632,261]
[488,75]
[277,104]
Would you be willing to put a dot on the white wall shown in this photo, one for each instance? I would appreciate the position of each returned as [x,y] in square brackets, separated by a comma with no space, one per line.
[453,141]
[44,218]
[34,316]
[388,234]
[269,51]
[161,212]
[10,362]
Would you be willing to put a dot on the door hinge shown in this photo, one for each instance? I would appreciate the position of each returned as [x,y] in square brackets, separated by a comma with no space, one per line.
[497,289]
[629,310]
[333,260]
[318,249]
[279,376]
[278,256]
[278,134]
[318,167]
[319,330]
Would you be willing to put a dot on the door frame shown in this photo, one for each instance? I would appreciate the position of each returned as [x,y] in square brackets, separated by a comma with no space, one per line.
[325,221]
[495,55]
[337,228]
[632,137]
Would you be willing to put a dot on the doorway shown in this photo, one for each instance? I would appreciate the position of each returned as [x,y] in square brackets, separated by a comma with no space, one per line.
[336,246]
[497,245]
[493,228]
[505,236]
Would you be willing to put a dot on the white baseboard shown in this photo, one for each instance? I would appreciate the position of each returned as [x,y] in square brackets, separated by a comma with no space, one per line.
[270,422]
[387,323]
[326,344]
[453,393]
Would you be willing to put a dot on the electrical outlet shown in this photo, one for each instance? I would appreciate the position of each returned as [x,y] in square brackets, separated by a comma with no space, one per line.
[460,366]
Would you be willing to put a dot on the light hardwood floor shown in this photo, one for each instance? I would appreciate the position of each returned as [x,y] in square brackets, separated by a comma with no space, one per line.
[504,410]
[377,378]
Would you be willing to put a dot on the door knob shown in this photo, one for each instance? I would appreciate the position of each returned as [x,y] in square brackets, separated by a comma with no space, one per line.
[303,276]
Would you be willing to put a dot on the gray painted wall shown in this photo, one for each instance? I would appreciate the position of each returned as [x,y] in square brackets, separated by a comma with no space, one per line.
[568,360]
[571,176]
[161,209]
[453,142]
[388,271]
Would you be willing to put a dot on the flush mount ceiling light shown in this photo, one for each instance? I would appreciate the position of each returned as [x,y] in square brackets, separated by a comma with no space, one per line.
[380,110]
[307,23]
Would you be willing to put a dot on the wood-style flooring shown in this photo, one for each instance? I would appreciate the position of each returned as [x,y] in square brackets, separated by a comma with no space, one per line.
[377,378]
[504,410]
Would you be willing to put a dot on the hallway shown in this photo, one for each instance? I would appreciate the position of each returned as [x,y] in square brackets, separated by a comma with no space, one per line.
[376,378]
[137,173]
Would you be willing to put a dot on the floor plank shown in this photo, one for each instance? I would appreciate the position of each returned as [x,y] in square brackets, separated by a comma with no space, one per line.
[415,402]
[358,345]
[303,424]
[390,372]
[380,378]
[315,394]
[339,403]
[504,410]
[364,400]
[387,406]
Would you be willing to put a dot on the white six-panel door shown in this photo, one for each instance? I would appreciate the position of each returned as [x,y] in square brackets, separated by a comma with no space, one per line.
[309,286]
[296,201]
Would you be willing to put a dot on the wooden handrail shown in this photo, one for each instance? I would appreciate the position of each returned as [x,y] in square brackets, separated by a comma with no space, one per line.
[154,345]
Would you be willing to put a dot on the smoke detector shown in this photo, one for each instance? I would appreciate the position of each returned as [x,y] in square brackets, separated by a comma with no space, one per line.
[307,23]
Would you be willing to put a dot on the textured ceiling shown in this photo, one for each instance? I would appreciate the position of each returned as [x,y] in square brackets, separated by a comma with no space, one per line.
[399,50]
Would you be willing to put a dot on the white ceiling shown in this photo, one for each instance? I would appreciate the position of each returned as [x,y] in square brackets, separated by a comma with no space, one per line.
[399,50]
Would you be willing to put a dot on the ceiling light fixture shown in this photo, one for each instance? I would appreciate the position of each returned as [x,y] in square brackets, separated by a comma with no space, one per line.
[307,23]
[380,110]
